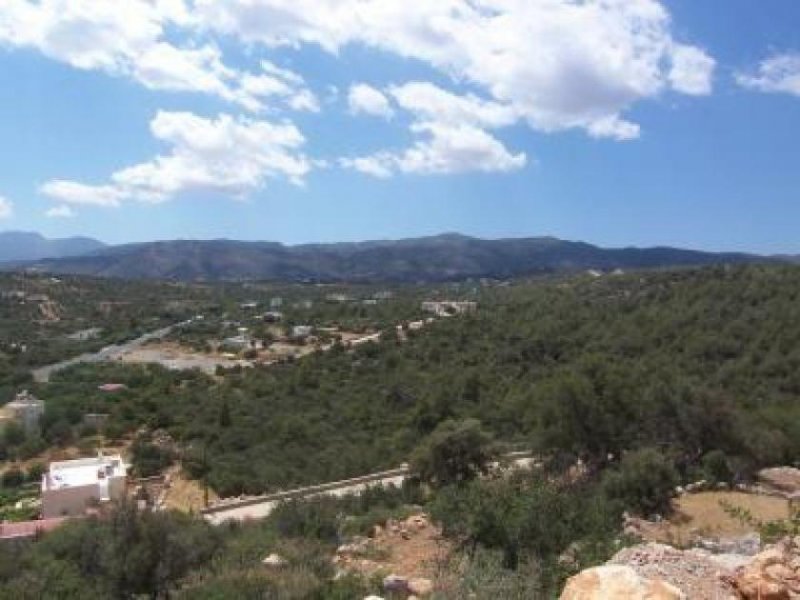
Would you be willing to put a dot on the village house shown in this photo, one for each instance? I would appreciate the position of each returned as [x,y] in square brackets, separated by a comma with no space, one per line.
[70,487]
[449,308]
[301,332]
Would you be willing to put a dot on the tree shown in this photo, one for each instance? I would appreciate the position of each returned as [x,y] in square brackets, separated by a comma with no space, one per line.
[456,451]
[643,482]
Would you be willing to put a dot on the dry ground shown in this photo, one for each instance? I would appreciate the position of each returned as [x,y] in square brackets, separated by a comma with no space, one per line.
[186,495]
[702,514]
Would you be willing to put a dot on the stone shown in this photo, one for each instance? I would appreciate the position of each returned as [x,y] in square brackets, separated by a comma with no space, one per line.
[784,479]
[617,583]
[420,587]
[395,583]
[779,572]
[274,561]
[752,586]
[357,546]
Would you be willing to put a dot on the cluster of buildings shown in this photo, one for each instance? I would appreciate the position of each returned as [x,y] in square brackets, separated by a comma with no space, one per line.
[69,488]
[448,308]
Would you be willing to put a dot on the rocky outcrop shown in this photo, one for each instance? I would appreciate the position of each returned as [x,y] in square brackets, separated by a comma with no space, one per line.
[774,574]
[617,582]
[694,572]
[660,572]
[782,479]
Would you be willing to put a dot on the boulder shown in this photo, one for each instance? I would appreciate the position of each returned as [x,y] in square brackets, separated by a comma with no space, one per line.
[617,583]
[770,575]
[420,587]
[783,479]
[274,561]
[395,583]
[752,586]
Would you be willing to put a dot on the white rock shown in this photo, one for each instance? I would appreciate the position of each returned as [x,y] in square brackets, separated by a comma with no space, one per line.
[275,561]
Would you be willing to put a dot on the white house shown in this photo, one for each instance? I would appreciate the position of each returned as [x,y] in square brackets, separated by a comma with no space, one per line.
[70,487]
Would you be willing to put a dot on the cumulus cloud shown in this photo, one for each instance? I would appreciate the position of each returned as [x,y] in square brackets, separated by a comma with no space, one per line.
[365,99]
[452,132]
[229,155]
[62,211]
[71,192]
[444,149]
[129,38]
[692,71]
[554,65]
[429,102]
[6,208]
[777,74]
[559,64]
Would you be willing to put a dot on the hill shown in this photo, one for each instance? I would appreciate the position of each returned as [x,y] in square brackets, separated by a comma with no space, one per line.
[438,258]
[16,246]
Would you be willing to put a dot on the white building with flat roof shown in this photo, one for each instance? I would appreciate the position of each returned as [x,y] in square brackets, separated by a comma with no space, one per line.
[70,487]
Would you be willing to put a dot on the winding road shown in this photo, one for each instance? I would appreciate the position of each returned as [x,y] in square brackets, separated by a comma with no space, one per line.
[109,353]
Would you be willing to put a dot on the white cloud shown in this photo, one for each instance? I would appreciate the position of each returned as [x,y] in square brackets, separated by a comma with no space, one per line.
[692,71]
[129,38]
[457,149]
[778,74]
[6,208]
[559,64]
[62,211]
[430,102]
[444,149]
[71,192]
[452,132]
[379,165]
[228,155]
[365,99]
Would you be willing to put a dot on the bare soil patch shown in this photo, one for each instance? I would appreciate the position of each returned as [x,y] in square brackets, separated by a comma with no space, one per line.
[703,515]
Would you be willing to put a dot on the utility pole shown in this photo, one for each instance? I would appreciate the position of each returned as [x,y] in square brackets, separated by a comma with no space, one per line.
[205,475]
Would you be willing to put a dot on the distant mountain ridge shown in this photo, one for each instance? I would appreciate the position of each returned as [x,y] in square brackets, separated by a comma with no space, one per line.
[437,258]
[18,246]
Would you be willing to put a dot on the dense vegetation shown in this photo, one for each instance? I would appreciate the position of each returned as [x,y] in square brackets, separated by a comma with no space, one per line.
[623,385]
[690,362]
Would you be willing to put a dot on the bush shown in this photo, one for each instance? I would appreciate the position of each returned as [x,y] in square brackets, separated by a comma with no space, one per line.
[716,467]
[456,452]
[149,459]
[316,518]
[643,482]
[12,478]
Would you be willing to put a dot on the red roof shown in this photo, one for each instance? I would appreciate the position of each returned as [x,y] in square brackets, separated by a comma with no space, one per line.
[29,528]
[112,387]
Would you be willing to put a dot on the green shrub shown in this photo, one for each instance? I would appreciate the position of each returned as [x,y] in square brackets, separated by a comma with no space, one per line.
[456,452]
[643,482]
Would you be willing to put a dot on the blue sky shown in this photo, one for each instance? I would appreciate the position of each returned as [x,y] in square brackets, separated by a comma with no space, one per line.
[619,123]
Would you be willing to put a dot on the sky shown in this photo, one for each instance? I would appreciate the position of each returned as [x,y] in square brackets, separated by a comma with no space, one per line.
[617,122]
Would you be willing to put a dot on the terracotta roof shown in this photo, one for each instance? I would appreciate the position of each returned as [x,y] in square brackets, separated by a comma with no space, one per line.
[29,528]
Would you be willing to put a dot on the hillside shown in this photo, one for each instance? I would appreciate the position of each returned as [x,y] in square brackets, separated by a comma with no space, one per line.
[438,258]
[17,246]
[653,380]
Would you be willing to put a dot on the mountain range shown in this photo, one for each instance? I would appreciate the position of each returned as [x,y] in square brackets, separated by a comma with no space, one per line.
[437,258]
[25,246]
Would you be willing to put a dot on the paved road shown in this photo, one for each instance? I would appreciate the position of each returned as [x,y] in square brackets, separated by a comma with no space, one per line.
[109,353]
[258,508]
[263,509]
